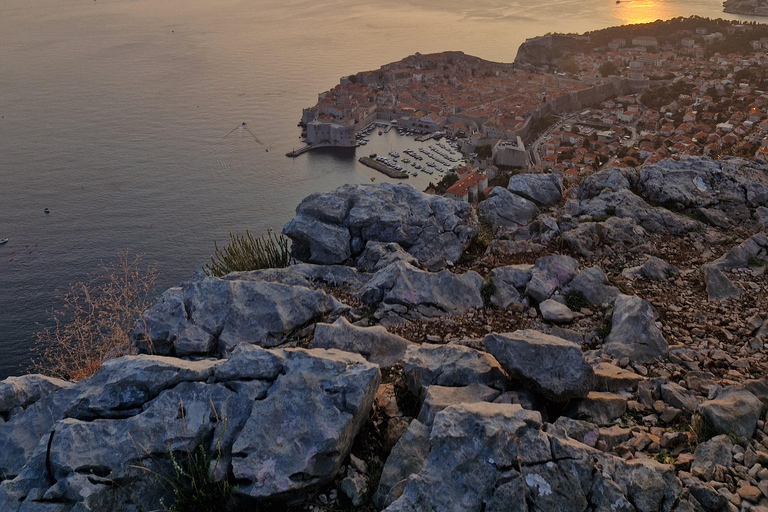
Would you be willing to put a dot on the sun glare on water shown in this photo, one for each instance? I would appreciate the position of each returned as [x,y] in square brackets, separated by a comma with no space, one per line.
[641,11]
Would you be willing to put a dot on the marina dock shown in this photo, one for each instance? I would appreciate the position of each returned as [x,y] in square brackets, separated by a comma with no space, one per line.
[301,151]
[385,169]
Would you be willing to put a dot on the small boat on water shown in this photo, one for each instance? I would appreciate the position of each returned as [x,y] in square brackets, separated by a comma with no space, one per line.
[3,241]
[47,210]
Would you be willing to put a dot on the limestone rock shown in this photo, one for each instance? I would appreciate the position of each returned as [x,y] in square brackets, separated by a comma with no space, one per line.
[505,209]
[408,457]
[425,293]
[549,273]
[544,189]
[219,314]
[656,269]
[718,286]
[553,311]
[601,408]
[450,365]
[548,365]
[610,179]
[378,255]
[375,343]
[437,398]
[733,410]
[716,451]
[633,331]
[611,378]
[614,235]
[754,248]
[506,282]
[24,391]
[593,283]
[334,226]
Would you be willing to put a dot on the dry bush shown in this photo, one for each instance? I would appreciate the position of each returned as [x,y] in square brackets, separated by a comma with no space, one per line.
[95,319]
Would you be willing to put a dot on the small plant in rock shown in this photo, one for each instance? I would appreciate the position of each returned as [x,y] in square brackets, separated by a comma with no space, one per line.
[754,261]
[487,291]
[610,211]
[703,428]
[665,458]
[603,331]
[576,300]
[246,252]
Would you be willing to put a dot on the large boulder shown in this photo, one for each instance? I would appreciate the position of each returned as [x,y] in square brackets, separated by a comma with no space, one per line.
[212,315]
[594,285]
[375,344]
[427,294]
[752,250]
[709,454]
[609,179]
[378,255]
[334,226]
[633,331]
[122,424]
[495,456]
[546,364]
[505,209]
[733,410]
[719,287]
[614,235]
[544,189]
[406,458]
[732,185]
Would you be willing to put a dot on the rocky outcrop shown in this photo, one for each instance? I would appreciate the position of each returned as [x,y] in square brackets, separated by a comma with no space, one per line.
[488,456]
[543,189]
[212,315]
[121,424]
[405,290]
[332,227]
[375,344]
[505,209]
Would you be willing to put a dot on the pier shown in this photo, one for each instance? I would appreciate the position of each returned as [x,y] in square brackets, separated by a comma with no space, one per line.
[385,169]
[301,151]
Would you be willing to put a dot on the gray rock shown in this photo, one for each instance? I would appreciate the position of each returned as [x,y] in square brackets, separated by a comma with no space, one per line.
[707,497]
[548,365]
[506,281]
[600,407]
[505,209]
[450,365]
[550,273]
[679,397]
[21,392]
[613,379]
[332,227]
[408,457]
[437,398]
[759,388]
[542,189]
[582,431]
[594,284]
[610,179]
[222,313]
[553,311]
[734,410]
[493,456]
[378,255]
[426,293]
[633,331]
[656,269]
[716,451]
[625,204]
[754,248]
[719,287]
[375,344]
[614,235]
[314,277]
[761,216]
[732,184]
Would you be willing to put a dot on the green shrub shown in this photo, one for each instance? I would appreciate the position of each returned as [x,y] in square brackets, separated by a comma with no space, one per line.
[245,252]
[487,291]
[193,484]
[576,300]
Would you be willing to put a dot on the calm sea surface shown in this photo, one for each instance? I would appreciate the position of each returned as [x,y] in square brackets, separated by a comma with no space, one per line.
[118,115]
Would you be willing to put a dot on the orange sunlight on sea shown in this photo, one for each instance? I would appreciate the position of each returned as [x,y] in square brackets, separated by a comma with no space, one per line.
[642,11]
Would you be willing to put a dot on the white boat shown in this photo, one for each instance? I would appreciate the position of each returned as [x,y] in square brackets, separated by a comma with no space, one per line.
[3,240]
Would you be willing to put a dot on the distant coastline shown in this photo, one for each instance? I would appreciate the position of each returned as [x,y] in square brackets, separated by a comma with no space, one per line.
[746,7]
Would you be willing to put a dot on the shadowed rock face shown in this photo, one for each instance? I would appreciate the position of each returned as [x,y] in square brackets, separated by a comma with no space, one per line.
[137,408]
[332,227]
[633,331]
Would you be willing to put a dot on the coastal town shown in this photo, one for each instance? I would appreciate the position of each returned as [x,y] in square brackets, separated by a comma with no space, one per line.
[570,104]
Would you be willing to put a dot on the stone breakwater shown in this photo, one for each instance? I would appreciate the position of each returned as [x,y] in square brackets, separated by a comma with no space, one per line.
[598,348]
